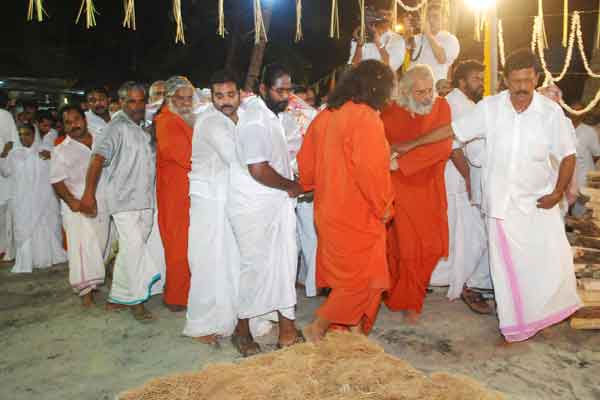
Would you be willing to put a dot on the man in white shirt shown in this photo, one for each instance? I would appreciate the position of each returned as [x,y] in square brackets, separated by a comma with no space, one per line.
[213,253]
[433,46]
[86,236]
[261,210]
[8,134]
[48,135]
[530,258]
[466,267]
[98,115]
[588,152]
[382,43]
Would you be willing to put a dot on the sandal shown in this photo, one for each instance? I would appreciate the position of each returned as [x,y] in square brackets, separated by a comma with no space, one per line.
[245,345]
[476,302]
[299,339]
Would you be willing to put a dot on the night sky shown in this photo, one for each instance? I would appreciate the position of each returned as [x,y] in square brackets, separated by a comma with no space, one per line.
[111,54]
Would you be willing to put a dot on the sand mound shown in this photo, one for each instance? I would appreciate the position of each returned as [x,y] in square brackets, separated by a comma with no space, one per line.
[344,366]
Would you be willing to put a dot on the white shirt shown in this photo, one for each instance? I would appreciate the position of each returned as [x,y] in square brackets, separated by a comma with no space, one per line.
[213,147]
[95,123]
[48,140]
[393,44]
[424,53]
[8,133]
[69,163]
[588,147]
[519,147]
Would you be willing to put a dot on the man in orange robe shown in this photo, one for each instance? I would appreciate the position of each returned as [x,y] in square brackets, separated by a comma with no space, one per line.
[418,236]
[174,132]
[345,158]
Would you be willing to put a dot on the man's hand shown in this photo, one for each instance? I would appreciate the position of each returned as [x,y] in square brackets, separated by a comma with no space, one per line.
[426,28]
[295,190]
[45,155]
[88,206]
[74,205]
[376,36]
[402,148]
[550,200]
[7,148]
[356,36]
[468,186]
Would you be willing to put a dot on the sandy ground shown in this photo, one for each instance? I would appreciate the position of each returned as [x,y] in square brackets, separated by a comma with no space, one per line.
[52,349]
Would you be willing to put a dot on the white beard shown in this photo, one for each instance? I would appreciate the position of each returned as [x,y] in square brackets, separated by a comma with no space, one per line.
[417,108]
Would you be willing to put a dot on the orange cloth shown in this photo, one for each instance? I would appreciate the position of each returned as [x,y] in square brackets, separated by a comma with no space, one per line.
[345,158]
[173,162]
[59,140]
[418,236]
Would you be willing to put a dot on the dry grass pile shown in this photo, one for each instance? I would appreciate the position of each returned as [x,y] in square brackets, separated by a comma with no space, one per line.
[343,366]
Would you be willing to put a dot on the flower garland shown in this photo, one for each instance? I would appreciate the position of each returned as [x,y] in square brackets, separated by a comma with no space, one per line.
[129,20]
[179,34]
[412,9]
[90,13]
[334,29]
[260,32]
[221,28]
[298,21]
[39,10]
[501,43]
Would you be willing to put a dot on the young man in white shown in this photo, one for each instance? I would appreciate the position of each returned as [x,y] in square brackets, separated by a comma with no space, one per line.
[467,266]
[212,250]
[530,258]
[261,210]
[86,236]
[98,116]
[8,133]
[433,46]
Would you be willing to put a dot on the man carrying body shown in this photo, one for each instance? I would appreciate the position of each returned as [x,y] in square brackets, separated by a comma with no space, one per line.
[98,115]
[345,158]
[467,264]
[213,252]
[418,236]
[173,126]
[124,163]
[530,259]
[261,210]
[86,236]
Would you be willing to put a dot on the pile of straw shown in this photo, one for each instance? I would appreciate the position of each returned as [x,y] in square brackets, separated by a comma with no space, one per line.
[344,366]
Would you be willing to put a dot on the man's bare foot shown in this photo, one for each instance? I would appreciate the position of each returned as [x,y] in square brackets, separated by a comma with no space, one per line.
[208,339]
[357,329]
[175,308]
[475,301]
[87,300]
[140,313]
[312,333]
[245,345]
[288,334]
[115,307]
[411,317]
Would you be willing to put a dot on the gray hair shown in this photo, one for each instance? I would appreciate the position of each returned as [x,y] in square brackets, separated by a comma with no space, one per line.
[176,82]
[406,83]
[128,87]
[152,91]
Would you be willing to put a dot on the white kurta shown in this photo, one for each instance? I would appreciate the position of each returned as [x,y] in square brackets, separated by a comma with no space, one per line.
[530,257]
[263,218]
[468,255]
[588,147]
[38,239]
[8,133]
[213,252]
[86,237]
[95,124]
[424,53]
[392,42]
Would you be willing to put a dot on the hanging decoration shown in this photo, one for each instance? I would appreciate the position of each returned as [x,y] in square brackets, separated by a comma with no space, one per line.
[565,32]
[445,11]
[298,36]
[394,14]
[221,28]
[422,4]
[129,20]
[90,13]
[597,44]
[363,30]
[179,34]
[542,27]
[334,29]
[501,43]
[260,33]
[38,7]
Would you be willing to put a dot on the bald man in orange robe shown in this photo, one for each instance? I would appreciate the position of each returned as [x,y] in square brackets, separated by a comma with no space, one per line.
[345,158]
[418,236]
[173,162]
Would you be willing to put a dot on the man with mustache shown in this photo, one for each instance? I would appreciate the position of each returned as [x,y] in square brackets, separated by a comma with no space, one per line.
[466,269]
[530,258]
[213,252]
[261,210]
[86,236]
[418,236]
[174,125]
[98,115]
[123,167]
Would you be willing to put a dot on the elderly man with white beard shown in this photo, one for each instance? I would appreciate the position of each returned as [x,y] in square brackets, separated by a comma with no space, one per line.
[174,131]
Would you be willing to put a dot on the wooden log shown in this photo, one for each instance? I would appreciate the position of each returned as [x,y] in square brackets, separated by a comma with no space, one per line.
[576,239]
[586,318]
[589,298]
[585,255]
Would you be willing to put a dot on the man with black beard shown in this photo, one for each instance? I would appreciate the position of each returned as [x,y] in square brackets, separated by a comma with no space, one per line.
[466,270]
[261,210]
[97,116]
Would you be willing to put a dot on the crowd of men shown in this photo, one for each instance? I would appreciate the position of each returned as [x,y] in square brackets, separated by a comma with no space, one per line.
[382,191]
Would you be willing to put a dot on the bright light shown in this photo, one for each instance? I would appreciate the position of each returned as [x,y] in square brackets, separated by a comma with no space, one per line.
[480,4]
[399,28]
[66,101]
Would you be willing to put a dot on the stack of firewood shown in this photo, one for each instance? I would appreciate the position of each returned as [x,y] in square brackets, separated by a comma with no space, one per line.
[584,236]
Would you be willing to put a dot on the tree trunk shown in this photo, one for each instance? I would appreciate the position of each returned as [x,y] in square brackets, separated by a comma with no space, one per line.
[258,52]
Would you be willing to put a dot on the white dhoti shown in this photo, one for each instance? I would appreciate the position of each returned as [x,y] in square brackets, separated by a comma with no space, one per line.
[7,248]
[214,264]
[532,269]
[85,242]
[134,272]
[307,238]
[265,231]
[157,255]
